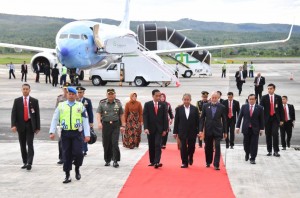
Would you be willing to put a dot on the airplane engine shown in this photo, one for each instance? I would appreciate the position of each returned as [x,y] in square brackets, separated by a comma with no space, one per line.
[43,58]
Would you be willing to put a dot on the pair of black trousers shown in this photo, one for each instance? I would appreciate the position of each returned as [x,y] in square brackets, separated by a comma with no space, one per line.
[230,132]
[187,149]
[272,135]
[110,141]
[209,149]
[24,75]
[26,136]
[154,142]
[287,129]
[251,143]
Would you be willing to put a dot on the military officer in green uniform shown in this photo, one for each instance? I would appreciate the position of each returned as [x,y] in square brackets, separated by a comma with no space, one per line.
[72,118]
[111,120]
[61,98]
[199,105]
[224,70]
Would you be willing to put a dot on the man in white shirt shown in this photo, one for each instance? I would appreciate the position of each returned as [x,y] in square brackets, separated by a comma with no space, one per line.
[11,70]
[240,79]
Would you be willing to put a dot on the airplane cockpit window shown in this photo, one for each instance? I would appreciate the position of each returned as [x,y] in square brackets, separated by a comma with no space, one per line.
[63,36]
[74,36]
[112,67]
[84,37]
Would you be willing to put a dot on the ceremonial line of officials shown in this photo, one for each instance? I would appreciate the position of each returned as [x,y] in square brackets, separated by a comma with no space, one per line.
[210,120]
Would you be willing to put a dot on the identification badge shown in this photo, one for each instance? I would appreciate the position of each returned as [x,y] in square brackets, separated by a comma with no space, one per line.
[32,110]
[276,106]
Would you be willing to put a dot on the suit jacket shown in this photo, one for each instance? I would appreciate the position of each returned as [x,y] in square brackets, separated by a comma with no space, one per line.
[291,112]
[55,72]
[278,107]
[155,123]
[256,120]
[238,76]
[89,108]
[24,68]
[261,84]
[235,108]
[17,114]
[186,128]
[216,125]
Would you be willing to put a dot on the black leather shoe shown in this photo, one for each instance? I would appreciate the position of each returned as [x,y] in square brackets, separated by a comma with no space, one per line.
[107,164]
[24,166]
[216,167]
[283,148]
[252,162]
[207,165]
[60,162]
[227,146]
[184,166]
[191,161]
[67,180]
[115,164]
[78,175]
[151,164]
[276,154]
[269,154]
[156,165]
[231,147]
[84,154]
[28,167]
[246,157]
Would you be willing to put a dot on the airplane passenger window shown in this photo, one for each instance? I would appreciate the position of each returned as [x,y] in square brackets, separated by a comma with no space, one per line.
[84,37]
[63,36]
[74,36]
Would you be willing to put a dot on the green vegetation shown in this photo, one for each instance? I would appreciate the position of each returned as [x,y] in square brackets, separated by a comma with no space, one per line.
[16,58]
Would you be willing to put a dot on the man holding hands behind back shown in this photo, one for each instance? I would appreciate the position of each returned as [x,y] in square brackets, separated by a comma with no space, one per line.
[213,119]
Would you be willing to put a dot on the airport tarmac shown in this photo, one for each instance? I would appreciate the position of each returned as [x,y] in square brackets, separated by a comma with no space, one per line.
[276,177]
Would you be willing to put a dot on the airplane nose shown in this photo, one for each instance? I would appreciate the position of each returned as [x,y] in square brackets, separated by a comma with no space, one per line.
[64,51]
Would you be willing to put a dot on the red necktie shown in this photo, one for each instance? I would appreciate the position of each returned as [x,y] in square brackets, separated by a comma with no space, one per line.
[285,114]
[230,110]
[272,112]
[156,108]
[25,110]
[251,110]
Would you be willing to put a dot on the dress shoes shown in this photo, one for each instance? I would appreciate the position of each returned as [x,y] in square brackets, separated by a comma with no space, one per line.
[67,180]
[151,164]
[107,164]
[184,166]
[191,161]
[283,148]
[157,165]
[78,175]
[84,154]
[60,162]
[269,154]
[207,165]
[246,157]
[24,166]
[28,167]
[252,162]
[115,164]
[231,147]
[216,167]
[227,146]
[276,154]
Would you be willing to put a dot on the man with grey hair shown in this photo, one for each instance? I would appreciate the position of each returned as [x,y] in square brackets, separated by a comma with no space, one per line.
[259,82]
[186,127]
[213,119]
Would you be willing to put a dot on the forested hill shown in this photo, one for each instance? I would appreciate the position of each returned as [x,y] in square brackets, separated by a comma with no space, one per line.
[41,31]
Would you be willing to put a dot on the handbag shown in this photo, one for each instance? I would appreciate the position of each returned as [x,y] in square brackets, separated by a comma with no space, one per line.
[93,136]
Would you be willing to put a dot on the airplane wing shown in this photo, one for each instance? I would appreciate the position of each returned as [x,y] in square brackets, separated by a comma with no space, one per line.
[29,48]
[161,52]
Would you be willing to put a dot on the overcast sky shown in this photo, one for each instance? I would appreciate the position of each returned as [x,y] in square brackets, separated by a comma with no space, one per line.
[233,11]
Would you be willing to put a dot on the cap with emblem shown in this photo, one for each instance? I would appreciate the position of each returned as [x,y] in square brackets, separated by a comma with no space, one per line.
[80,89]
[72,90]
[110,91]
[204,93]
[67,84]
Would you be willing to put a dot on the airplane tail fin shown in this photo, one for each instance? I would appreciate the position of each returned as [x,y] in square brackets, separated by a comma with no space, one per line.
[126,21]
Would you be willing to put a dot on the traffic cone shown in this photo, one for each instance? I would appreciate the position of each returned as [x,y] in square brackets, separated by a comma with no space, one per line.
[292,76]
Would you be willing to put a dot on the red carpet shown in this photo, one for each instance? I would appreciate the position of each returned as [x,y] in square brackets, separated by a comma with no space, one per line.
[173,181]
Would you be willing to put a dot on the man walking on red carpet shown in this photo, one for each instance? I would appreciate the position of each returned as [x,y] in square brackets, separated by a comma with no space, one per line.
[186,126]
[155,118]
[213,119]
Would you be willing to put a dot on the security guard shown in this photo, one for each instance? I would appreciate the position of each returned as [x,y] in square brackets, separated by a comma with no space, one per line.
[199,105]
[72,117]
[61,98]
[63,76]
[111,120]
[251,70]
[224,70]
[89,109]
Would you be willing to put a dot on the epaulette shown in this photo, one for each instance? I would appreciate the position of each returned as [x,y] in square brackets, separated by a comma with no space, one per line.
[103,100]
[117,100]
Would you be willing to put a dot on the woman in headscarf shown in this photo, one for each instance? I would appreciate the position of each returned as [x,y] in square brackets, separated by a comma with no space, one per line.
[134,120]
[163,98]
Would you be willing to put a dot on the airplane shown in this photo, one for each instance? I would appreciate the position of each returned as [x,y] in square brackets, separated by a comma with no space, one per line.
[86,44]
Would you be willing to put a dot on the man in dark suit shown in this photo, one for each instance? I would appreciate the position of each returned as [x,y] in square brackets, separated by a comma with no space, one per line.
[213,119]
[155,118]
[24,71]
[259,83]
[25,118]
[240,79]
[89,109]
[220,100]
[253,126]
[289,122]
[274,117]
[232,108]
[186,126]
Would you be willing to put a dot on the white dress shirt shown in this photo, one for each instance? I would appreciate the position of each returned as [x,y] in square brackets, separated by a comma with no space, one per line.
[187,111]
